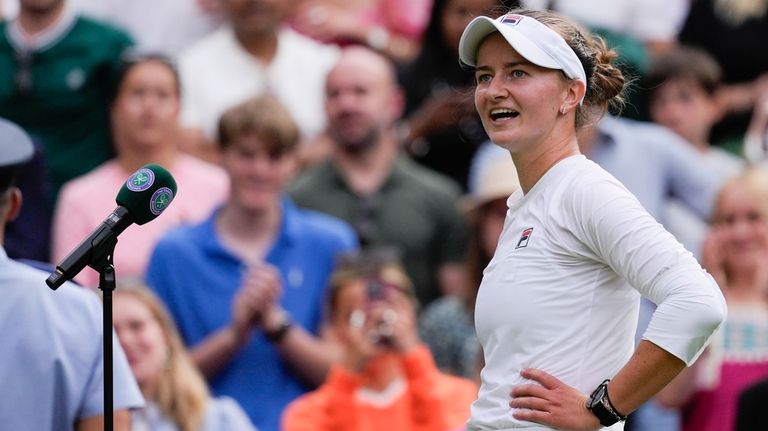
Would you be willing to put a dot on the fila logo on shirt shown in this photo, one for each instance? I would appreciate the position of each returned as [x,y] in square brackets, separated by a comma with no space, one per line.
[526,235]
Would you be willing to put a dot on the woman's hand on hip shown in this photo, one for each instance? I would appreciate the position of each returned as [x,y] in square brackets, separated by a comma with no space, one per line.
[551,403]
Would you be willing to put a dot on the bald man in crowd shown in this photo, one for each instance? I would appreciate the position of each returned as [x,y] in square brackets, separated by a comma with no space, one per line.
[367,181]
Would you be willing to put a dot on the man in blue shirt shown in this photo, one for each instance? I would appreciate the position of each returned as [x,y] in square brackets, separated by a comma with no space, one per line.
[51,349]
[246,286]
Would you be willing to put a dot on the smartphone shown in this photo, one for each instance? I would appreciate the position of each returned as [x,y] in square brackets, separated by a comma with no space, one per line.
[376,291]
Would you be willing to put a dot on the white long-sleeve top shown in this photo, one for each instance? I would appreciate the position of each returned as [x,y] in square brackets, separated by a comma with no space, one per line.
[562,291]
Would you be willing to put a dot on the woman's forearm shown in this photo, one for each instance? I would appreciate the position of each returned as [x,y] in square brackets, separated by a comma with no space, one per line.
[646,373]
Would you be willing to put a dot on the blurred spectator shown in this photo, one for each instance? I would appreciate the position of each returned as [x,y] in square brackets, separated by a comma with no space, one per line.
[246,285]
[387,379]
[56,69]
[756,140]
[166,26]
[254,53]
[29,236]
[442,129]
[175,392]
[52,342]
[388,199]
[392,27]
[682,83]
[752,413]
[729,31]
[736,254]
[637,30]
[640,20]
[447,324]
[145,128]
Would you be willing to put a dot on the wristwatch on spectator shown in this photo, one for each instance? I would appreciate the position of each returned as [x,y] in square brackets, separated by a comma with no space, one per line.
[276,334]
[600,405]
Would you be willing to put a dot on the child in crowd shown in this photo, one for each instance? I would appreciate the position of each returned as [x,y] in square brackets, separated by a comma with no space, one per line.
[682,84]
[387,379]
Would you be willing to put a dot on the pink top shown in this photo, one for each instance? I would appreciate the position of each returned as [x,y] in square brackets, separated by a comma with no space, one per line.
[87,200]
[736,359]
[406,17]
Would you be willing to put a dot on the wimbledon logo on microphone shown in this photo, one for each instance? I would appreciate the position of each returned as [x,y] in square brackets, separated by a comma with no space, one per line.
[141,180]
[160,200]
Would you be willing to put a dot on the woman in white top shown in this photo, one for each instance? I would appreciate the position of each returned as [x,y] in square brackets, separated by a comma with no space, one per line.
[177,397]
[558,304]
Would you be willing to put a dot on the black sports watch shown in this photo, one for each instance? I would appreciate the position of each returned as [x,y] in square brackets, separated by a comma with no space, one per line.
[276,335]
[600,405]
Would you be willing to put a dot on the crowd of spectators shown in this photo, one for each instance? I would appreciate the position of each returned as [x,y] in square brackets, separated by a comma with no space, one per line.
[303,131]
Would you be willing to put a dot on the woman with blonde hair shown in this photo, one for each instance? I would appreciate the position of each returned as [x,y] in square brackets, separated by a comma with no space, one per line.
[176,394]
[735,252]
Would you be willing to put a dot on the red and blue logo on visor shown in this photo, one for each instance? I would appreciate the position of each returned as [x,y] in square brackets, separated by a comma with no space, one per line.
[511,19]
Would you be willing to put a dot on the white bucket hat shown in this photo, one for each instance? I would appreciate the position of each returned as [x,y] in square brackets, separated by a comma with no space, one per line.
[533,40]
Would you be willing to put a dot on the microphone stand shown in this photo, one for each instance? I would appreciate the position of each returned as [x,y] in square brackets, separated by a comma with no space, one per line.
[104,263]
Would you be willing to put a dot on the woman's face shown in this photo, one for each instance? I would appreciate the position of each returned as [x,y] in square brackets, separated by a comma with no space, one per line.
[743,226]
[141,337]
[518,102]
[457,14]
[146,110]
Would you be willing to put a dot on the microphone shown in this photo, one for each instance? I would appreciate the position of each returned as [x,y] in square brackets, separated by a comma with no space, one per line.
[143,197]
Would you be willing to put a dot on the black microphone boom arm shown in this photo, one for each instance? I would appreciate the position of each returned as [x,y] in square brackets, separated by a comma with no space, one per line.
[94,250]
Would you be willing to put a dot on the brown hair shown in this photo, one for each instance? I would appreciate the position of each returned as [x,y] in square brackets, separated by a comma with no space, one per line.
[263,117]
[182,393]
[375,263]
[686,63]
[605,82]
[133,58]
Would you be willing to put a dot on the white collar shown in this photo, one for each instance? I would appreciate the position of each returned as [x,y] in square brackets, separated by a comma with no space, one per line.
[22,42]
[385,397]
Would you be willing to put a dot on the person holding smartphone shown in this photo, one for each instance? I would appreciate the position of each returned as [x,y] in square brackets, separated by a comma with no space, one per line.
[387,378]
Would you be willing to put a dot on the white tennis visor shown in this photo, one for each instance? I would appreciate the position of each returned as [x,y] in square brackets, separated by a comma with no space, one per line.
[533,40]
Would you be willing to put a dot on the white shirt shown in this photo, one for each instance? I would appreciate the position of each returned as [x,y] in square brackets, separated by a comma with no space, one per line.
[167,26]
[561,292]
[217,73]
[221,414]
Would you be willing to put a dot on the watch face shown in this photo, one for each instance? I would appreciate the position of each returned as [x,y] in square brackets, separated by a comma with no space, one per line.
[599,405]
[596,397]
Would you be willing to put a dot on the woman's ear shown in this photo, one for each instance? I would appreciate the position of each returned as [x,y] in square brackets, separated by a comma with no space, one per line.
[573,95]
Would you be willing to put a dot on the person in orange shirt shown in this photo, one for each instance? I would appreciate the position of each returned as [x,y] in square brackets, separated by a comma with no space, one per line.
[387,378]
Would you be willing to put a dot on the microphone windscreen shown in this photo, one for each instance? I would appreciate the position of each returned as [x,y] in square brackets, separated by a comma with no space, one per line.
[147,193]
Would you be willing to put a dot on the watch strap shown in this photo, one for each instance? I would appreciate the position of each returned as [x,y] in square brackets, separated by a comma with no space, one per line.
[600,405]
[277,334]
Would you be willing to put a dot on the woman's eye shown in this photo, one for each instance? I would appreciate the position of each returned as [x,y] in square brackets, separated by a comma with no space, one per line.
[483,78]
